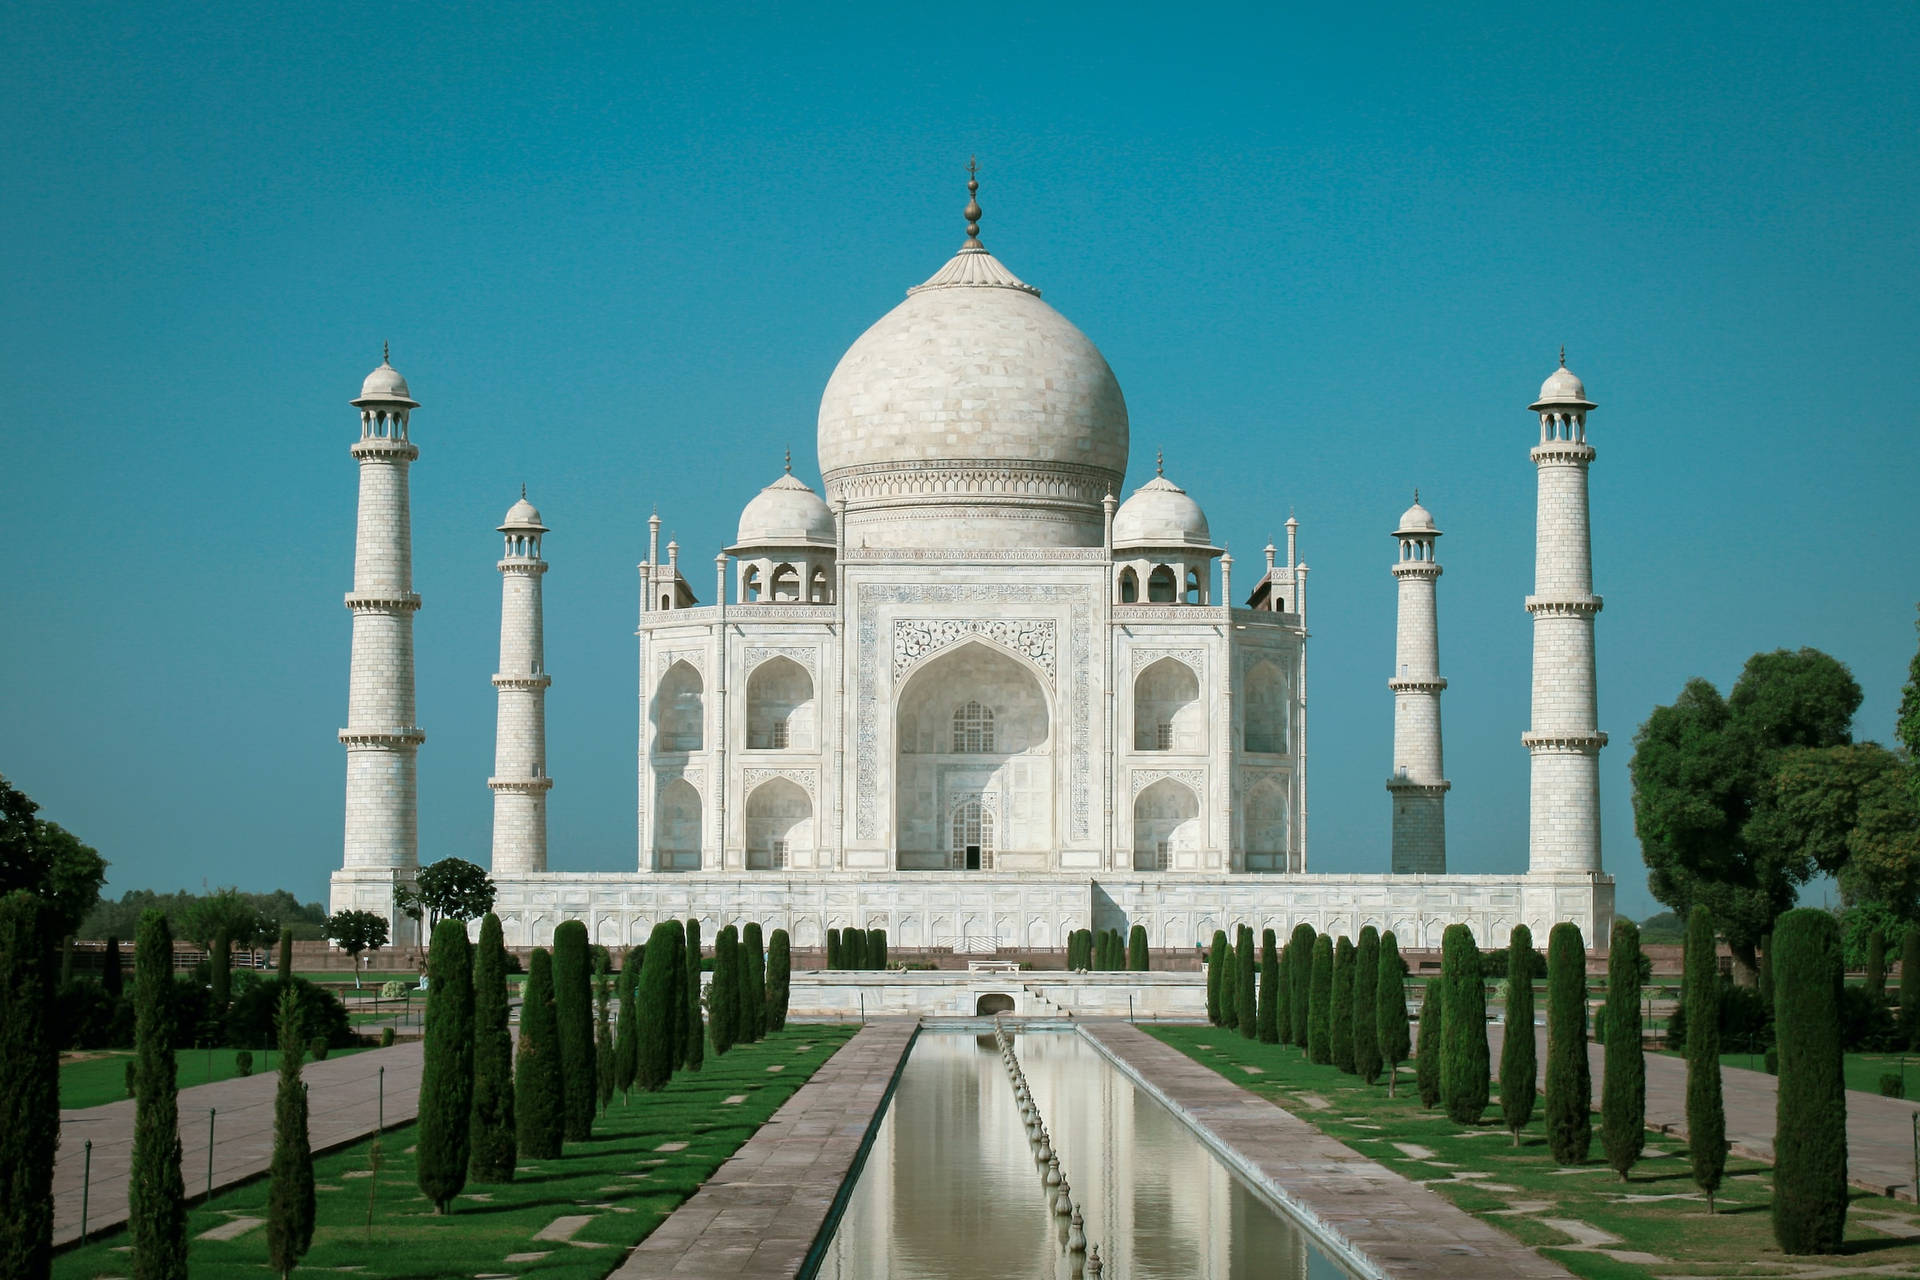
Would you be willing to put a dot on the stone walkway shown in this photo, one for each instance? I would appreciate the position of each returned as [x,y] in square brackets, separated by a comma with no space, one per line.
[1879,1130]
[1402,1227]
[761,1211]
[343,1100]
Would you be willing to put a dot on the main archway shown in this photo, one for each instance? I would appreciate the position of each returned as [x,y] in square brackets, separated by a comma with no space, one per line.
[973,755]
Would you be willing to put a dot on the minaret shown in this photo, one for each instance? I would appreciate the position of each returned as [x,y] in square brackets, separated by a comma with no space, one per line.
[1418,785]
[520,782]
[381,738]
[1564,824]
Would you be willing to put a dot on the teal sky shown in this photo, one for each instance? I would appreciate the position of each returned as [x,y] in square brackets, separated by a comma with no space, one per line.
[618,250]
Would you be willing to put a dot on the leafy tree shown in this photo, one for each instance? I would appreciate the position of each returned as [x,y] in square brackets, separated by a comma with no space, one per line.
[834,958]
[1246,999]
[573,1013]
[1663,928]
[779,979]
[1366,989]
[723,1003]
[229,912]
[1269,1026]
[1427,1070]
[692,1026]
[626,1042]
[603,1064]
[47,861]
[354,932]
[156,1195]
[1877,964]
[1465,1066]
[1706,1115]
[1910,987]
[1810,1129]
[1705,799]
[658,998]
[1518,1065]
[538,1095]
[876,948]
[279,909]
[753,984]
[1340,1014]
[1137,949]
[29,1088]
[1569,1077]
[491,1120]
[1300,990]
[450,889]
[1320,1003]
[290,1206]
[446,1080]
[1623,1094]
[1390,1010]
[1216,967]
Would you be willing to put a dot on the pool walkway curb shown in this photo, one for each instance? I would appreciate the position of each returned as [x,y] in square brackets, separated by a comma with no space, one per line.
[759,1215]
[1369,1215]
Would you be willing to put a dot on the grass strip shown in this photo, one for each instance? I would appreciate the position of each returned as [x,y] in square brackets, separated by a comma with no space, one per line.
[622,1182]
[94,1079]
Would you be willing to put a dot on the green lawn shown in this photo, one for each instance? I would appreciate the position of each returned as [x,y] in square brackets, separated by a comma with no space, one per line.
[622,1180]
[1863,1069]
[1659,1213]
[102,1078]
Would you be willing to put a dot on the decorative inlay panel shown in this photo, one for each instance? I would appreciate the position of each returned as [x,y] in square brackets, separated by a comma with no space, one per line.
[917,638]
[806,779]
[1195,779]
[1194,658]
[806,655]
[695,658]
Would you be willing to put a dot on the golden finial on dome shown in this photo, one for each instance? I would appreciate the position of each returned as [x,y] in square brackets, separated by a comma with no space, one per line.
[973,205]
[1159,463]
[1563,355]
[387,359]
[789,461]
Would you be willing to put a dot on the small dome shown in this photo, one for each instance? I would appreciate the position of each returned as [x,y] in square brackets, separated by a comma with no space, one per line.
[1416,520]
[1160,514]
[385,386]
[522,516]
[1562,389]
[784,513]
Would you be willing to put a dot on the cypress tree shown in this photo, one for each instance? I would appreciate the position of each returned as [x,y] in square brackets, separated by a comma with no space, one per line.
[726,978]
[1283,996]
[446,1081]
[1366,989]
[1433,1018]
[1137,949]
[626,1039]
[1216,966]
[1243,983]
[290,1191]
[1877,965]
[1269,988]
[678,1031]
[1623,1093]
[1569,1078]
[220,963]
[853,949]
[1465,1062]
[1086,949]
[833,951]
[112,977]
[573,1014]
[538,1095]
[693,1024]
[1230,983]
[29,1087]
[1810,1127]
[1102,960]
[603,1030]
[1320,1003]
[657,999]
[1340,1012]
[156,1196]
[1300,994]
[1519,1062]
[779,979]
[753,989]
[1910,987]
[1706,1116]
[283,957]
[1390,1010]
[1766,972]
[1106,950]
[877,948]
[491,1121]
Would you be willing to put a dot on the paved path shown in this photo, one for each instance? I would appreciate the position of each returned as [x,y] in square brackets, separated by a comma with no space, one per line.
[1402,1227]
[343,1100]
[762,1210]
[1879,1130]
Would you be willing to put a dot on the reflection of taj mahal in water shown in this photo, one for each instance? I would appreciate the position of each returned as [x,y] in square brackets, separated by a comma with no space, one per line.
[968,695]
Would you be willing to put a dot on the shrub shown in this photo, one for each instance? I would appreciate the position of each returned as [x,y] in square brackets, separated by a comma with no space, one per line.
[1877,965]
[243,1063]
[780,978]
[573,1014]
[1706,1113]
[446,1080]
[1623,1094]
[853,951]
[156,1194]
[1246,999]
[1770,1061]
[693,1029]
[1746,1021]
[1340,1014]
[1320,1003]
[81,1015]
[386,1037]
[1569,1078]
[29,1088]
[490,1122]
[393,989]
[724,1014]
[290,1209]
[1137,948]
[112,978]
[1810,1128]
[254,1016]
[317,1048]
[1465,1065]
[1910,988]
[1269,979]
[1390,1009]
[1865,1021]
[1519,1067]
[538,1095]
[1428,1053]
[1216,967]
[1300,992]
[876,949]
[133,1069]
[1892,1086]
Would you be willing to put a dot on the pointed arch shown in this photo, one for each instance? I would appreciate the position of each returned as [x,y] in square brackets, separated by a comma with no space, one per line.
[780,706]
[779,826]
[679,710]
[1167,713]
[1166,820]
[1268,714]
[678,822]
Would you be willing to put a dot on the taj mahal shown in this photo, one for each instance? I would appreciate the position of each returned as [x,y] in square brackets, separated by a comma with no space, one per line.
[969,691]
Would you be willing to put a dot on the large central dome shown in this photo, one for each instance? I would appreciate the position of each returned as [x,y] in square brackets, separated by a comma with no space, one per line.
[973,414]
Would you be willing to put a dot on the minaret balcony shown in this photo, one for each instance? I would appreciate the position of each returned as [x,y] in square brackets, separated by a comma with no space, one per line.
[541,681]
[1417,569]
[1587,741]
[1564,606]
[1408,787]
[1407,685]
[385,447]
[1578,452]
[522,564]
[521,786]
[382,601]
[411,736]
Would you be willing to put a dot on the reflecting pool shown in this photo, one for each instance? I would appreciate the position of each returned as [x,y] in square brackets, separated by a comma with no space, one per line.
[951,1189]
